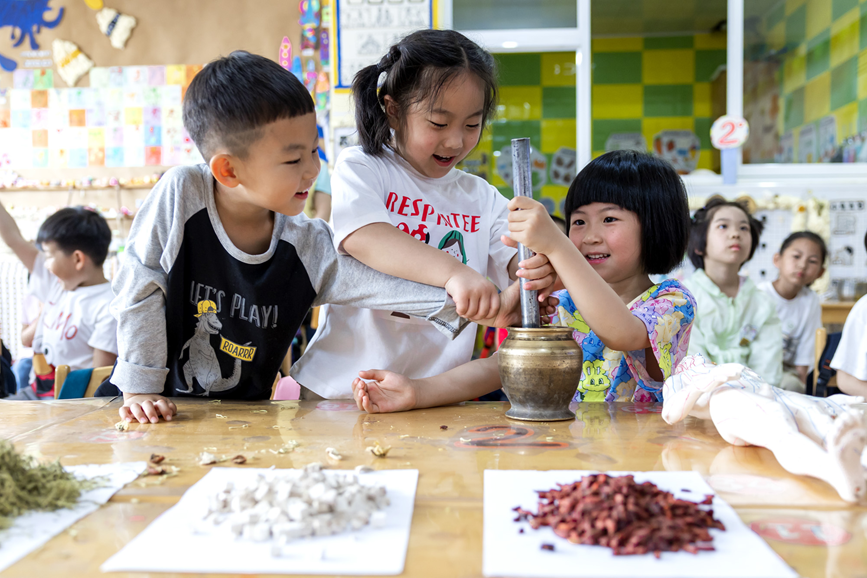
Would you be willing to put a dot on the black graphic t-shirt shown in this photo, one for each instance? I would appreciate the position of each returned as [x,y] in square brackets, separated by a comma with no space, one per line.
[199,317]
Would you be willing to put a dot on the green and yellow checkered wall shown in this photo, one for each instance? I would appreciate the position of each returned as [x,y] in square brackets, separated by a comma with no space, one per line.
[647,85]
[824,68]
[537,100]
[642,85]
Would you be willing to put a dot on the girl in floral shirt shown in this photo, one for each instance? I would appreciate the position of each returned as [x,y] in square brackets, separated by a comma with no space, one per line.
[628,219]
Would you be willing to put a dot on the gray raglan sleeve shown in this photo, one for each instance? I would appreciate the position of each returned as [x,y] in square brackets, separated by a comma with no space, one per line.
[343,280]
[140,285]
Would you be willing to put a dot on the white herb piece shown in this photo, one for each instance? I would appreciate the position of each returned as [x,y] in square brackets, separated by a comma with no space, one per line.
[207,459]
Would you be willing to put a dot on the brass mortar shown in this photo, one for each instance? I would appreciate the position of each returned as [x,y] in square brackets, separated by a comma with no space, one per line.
[540,369]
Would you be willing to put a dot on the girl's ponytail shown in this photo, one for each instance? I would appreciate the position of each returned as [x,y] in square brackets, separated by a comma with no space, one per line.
[415,70]
[369,88]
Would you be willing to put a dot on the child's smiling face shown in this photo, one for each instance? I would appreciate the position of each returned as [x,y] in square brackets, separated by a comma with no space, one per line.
[433,138]
[609,237]
[728,237]
[282,165]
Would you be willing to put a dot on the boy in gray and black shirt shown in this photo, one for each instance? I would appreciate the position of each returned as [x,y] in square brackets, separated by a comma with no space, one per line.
[221,265]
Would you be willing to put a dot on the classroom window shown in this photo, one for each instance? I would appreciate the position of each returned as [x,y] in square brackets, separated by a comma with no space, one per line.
[805,81]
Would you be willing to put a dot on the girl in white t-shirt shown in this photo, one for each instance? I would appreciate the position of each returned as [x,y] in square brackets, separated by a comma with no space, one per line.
[800,262]
[401,207]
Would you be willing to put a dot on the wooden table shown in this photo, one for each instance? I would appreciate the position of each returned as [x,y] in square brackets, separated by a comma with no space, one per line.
[798,516]
[835,312]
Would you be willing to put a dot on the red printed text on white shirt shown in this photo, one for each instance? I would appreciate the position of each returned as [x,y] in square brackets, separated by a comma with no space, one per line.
[409,207]
[61,324]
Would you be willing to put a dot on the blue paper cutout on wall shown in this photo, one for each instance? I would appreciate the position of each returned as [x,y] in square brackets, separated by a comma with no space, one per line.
[27,17]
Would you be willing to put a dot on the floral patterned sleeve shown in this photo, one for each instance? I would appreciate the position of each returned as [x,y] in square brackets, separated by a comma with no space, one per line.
[567,315]
[667,311]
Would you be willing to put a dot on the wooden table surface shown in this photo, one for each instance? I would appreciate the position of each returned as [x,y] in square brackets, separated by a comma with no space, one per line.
[836,312]
[801,518]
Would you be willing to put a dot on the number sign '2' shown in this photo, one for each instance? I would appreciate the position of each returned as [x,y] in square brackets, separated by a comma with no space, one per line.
[729,132]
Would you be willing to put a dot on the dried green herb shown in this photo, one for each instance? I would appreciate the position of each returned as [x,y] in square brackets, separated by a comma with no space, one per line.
[27,485]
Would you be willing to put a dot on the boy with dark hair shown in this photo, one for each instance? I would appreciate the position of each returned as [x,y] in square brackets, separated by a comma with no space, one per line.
[76,327]
[221,266]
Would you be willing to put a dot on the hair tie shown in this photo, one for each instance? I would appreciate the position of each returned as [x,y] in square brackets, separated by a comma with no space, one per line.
[380,83]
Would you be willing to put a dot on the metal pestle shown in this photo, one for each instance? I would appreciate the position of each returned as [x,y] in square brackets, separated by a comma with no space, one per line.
[523,187]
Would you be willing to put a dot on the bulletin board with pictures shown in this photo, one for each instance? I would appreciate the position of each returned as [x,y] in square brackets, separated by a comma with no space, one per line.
[847,256]
[367,28]
[76,99]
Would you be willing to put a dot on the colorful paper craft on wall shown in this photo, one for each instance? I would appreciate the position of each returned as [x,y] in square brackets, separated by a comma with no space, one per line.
[285,56]
[322,91]
[324,50]
[129,116]
[297,70]
[309,22]
[679,147]
[115,25]
[310,76]
[71,62]
[27,18]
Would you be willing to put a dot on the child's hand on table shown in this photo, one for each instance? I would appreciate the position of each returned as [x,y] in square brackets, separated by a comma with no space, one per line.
[385,391]
[474,296]
[147,407]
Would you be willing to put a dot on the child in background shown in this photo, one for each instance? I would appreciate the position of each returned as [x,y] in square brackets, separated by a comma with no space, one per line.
[800,261]
[76,327]
[31,309]
[221,267]
[850,359]
[401,207]
[735,321]
[628,219]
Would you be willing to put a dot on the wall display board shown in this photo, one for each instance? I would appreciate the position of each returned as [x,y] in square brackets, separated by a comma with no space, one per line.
[847,256]
[129,116]
[367,28]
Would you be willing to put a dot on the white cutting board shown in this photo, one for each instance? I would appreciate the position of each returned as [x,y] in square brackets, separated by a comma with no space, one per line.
[739,551]
[174,541]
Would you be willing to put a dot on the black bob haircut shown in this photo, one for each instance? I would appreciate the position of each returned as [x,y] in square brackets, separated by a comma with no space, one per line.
[701,223]
[77,229]
[649,187]
[810,236]
[416,70]
[232,98]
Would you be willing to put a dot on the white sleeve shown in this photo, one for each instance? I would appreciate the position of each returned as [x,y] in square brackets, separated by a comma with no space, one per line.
[357,198]
[499,254]
[806,353]
[104,336]
[41,279]
[851,354]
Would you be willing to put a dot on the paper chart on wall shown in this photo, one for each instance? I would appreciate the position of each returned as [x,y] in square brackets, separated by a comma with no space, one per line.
[30,531]
[847,255]
[184,545]
[367,28]
[506,552]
